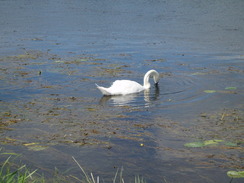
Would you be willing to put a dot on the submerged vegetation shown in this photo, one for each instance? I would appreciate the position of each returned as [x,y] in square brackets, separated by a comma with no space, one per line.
[42,108]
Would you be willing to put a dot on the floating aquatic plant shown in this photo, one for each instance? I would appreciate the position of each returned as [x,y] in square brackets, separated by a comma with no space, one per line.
[209,91]
[209,142]
[194,144]
[231,88]
[236,174]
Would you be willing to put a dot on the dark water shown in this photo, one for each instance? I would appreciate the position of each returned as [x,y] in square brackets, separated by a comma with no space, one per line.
[53,52]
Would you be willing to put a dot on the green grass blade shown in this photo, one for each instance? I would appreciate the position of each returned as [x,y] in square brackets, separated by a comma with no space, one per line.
[87,177]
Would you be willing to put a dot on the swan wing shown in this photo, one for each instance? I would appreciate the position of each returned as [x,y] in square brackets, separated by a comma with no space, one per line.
[121,87]
[124,87]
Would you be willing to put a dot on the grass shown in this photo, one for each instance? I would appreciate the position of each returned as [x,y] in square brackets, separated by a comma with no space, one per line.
[19,175]
[118,177]
[12,173]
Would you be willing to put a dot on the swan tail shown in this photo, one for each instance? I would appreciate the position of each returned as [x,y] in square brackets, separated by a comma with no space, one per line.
[103,90]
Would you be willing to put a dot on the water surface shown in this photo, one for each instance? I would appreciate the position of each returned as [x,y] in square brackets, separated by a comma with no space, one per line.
[53,53]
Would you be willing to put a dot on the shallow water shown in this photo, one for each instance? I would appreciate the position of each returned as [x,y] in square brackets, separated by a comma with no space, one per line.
[53,53]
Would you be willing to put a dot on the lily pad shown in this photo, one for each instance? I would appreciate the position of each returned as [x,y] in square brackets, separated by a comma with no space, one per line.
[202,144]
[209,91]
[231,144]
[236,174]
[230,88]
[211,142]
[194,144]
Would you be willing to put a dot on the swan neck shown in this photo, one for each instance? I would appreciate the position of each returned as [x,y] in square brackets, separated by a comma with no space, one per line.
[146,83]
[155,75]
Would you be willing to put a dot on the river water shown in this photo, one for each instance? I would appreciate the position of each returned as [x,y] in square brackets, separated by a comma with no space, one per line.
[53,52]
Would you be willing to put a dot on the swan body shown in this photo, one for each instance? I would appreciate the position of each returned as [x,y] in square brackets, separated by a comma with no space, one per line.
[124,87]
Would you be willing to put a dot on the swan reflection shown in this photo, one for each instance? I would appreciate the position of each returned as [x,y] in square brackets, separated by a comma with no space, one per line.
[131,99]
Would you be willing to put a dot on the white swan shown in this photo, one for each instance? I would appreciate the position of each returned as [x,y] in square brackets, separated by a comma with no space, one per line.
[124,87]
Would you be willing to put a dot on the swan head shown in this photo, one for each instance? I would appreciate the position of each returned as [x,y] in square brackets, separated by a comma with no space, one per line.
[151,73]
